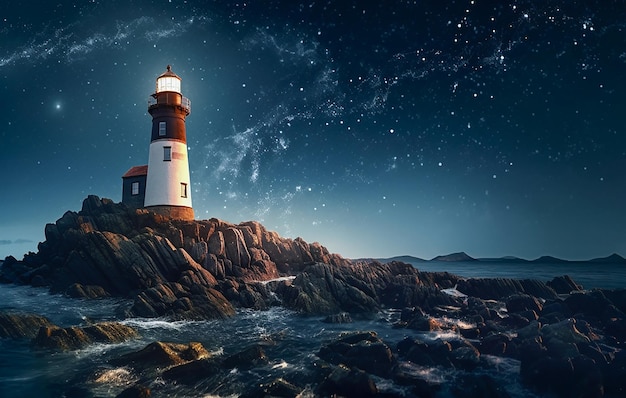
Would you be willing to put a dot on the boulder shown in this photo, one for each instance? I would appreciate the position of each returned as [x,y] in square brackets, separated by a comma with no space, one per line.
[250,357]
[192,372]
[564,331]
[564,285]
[348,383]
[136,391]
[72,337]
[363,350]
[162,354]
[18,325]
[276,388]
[76,290]
[593,305]
[416,351]
[465,356]
[523,302]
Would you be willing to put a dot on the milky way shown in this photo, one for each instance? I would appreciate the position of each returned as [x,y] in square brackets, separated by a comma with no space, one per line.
[377,129]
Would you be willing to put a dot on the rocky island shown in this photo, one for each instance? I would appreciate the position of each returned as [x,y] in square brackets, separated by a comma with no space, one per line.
[566,341]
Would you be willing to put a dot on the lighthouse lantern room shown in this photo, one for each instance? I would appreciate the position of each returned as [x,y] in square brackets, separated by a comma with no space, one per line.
[167,183]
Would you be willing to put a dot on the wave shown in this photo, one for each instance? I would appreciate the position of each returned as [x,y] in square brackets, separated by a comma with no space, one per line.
[157,323]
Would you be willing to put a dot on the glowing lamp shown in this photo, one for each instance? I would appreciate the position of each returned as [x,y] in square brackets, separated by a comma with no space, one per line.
[168,81]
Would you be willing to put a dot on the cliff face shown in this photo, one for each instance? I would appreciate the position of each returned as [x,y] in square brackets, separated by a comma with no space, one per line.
[172,266]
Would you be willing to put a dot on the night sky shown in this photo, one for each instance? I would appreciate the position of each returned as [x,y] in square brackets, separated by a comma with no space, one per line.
[377,128]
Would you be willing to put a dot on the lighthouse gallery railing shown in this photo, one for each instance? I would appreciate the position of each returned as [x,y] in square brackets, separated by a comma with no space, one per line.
[185,102]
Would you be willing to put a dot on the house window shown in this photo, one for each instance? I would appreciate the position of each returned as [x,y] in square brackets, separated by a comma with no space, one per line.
[167,153]
[134,188]
[183,190]
[162,129]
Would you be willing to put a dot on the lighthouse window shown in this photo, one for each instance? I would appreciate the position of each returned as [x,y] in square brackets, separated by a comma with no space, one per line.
[183,190]
[162,128]
[134,188]
[167,153]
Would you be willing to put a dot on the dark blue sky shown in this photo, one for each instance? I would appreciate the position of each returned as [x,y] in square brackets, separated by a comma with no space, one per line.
[375,128]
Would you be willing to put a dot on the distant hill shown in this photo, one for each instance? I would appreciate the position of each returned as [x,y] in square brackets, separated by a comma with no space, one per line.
[506,259]
[549,260]
[454,257]
[464,257]
[404,259]
[612,259]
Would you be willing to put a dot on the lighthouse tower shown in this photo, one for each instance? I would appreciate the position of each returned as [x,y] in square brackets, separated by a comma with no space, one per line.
[168,187]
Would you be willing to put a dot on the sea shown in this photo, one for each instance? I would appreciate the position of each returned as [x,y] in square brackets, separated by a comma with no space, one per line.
[291,342]
[590,275]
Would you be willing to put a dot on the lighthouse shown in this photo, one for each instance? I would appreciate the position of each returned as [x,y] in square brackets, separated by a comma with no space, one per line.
[164,185]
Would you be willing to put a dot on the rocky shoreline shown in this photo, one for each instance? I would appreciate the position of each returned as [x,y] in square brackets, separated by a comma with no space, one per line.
[569,342]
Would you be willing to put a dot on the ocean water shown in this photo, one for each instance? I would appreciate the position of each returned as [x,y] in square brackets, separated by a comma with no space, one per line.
[589,275]
[291,341]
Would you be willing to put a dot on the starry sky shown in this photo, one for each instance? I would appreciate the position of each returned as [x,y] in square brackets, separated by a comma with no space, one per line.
[377,128]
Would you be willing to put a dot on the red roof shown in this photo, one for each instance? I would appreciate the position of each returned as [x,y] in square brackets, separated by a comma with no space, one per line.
[136,171]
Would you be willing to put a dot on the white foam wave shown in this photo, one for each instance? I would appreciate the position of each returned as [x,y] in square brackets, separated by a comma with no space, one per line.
[218,352]
[150,323]
[118,376]
[97,349]
[432,375]
[454,292]
[281,365]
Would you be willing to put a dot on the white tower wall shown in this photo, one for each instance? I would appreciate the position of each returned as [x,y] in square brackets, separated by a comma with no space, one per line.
[165,177]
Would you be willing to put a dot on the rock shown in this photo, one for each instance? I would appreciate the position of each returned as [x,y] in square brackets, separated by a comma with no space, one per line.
[410,375]
[276,388]
[136,391]
[17,325]
[110,249]
[499,288]
[76,290]
[416,351]
[424,324]
[363,350]
[162,354]
[564,376]
[593,305]
[348,383]
[531,331]
[72,338]
[360,288]
[189,301]
[342,317]
[324,289]
[252,356]
[192,372]
[564,284]
[235,246]
[617,297]
[548,374]
[523,302]
[564,331]
[465,356]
